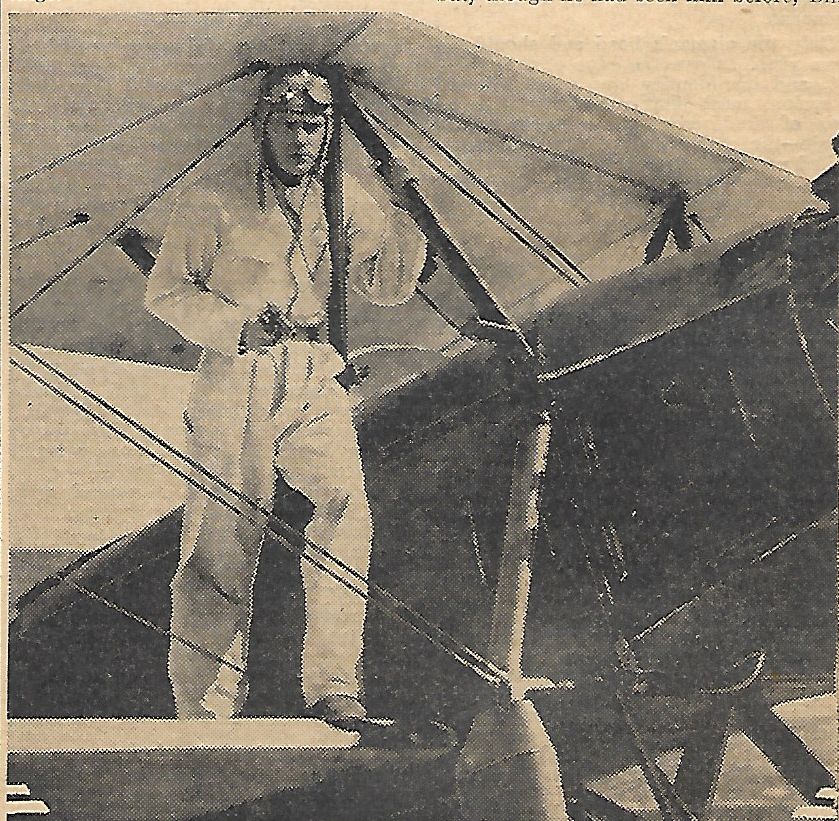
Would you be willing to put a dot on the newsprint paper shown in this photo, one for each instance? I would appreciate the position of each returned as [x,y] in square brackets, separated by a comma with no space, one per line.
[420,411]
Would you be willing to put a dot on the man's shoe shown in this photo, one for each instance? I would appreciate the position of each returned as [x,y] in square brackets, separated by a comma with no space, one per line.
[348,713]
[342,711]
[196,713]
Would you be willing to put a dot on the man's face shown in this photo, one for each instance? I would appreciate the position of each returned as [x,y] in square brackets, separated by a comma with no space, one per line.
[294,138]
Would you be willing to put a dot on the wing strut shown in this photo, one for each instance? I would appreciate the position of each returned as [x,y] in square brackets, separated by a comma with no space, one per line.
[404,190]
[479,181]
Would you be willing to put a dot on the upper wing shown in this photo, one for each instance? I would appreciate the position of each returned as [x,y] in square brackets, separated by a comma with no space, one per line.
[564,168]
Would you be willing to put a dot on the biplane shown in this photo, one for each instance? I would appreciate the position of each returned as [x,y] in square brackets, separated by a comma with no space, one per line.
[599,443]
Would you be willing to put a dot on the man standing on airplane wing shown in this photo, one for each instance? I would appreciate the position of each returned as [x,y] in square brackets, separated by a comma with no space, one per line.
[245,272]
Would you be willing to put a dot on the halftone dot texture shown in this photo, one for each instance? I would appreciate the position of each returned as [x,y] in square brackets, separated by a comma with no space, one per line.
[716,444]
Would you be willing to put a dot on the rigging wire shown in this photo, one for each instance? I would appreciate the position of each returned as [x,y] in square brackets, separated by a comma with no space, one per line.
[171,105]
[449,155]
[461,189]
[77,219]
[708,588]
[351,35]
[423,295]
[155,628]
[504,136]
[287,535]
[492,674]
[91,594]
[123,223]
[669,802]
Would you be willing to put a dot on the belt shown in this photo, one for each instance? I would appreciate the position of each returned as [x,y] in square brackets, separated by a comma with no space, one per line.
[303,333]
[280,329]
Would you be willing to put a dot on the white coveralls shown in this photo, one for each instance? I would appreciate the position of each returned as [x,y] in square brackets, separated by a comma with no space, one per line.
[227,252]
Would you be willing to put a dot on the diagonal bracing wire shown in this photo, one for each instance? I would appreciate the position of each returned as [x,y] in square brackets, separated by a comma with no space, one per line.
[715,584]
[499,133]
[252,68]
[155,628]
[351,35]
[152,114]
[77,219]
[477,179]
[461,189]
[795,316]
[112,232]
[90,593]
[383,598]
[278,529]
